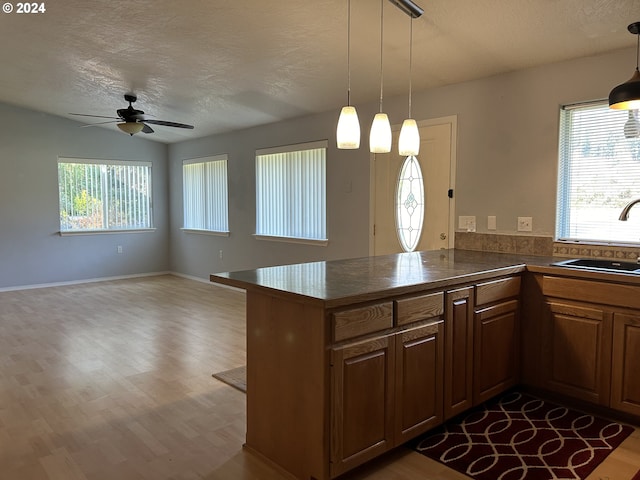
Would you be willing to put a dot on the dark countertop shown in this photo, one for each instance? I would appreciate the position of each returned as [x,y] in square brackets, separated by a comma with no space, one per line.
[342,282]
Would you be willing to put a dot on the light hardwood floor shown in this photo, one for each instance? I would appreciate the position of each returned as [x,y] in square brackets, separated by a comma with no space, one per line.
[112,380]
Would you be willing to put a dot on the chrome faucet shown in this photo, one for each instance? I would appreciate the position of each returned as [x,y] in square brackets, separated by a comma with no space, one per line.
[624,215]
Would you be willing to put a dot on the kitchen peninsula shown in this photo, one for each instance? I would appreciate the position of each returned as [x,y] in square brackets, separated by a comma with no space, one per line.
[348,359]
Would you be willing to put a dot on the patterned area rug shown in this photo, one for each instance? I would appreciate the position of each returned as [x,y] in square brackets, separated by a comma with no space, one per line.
[521,437]
[236,377]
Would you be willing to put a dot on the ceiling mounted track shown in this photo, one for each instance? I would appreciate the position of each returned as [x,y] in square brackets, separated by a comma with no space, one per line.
[408,7]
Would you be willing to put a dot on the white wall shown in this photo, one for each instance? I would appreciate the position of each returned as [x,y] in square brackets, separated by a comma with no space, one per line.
[506,163]
[31,250]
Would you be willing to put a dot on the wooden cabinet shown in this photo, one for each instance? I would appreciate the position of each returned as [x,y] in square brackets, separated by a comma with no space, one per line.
[496,353]
[386,389]
[419,373]
[458,363]
[625,379]
[496,338]
[578,351]
[362,399]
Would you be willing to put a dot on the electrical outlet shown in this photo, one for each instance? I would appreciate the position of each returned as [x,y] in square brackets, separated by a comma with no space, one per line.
[119,249]
[467,222]
[220,254]
[525,224]
[491,222]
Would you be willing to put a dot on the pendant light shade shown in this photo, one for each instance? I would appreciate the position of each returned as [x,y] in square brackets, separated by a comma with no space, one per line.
[409,141]
[348,129]
[626,96]
[380,134]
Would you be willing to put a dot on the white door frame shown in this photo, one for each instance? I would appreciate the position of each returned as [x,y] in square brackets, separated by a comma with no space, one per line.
[453,121]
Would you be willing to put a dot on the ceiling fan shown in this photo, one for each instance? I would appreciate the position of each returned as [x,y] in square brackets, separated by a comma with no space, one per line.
[131,120]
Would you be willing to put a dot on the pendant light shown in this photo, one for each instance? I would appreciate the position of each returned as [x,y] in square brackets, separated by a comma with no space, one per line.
[409,141]
[626,96]
[348,130]
[380,134]
[632,125]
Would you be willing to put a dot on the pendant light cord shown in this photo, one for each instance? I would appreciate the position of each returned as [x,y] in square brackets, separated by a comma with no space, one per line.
[637,51]
[410,60]
[349,52]
[381,43]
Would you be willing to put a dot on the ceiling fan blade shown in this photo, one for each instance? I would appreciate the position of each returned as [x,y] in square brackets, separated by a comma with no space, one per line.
[99,123]
[147,128]
[168,124]
[94,116]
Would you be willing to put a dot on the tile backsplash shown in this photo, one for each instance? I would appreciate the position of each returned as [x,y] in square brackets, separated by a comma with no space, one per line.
[539,245]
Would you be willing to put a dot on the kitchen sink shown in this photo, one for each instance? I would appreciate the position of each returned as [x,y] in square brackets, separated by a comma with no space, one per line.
[600,265]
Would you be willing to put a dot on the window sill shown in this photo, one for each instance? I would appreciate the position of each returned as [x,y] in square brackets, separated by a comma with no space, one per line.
[103,232]
[198,231]
[303,241]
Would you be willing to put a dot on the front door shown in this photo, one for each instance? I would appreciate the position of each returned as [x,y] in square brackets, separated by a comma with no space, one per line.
[437,161]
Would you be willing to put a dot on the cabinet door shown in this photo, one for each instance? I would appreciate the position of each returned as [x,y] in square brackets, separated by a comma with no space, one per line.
[362,402]
[625,381]
[458,362]
[496,350]
[419,371]
[578,351]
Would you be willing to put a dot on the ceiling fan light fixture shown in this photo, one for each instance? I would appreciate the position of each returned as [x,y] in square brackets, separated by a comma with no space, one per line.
[626,96]
[131,127]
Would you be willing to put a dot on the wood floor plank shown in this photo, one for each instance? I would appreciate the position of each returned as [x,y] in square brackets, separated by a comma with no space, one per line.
[112,380]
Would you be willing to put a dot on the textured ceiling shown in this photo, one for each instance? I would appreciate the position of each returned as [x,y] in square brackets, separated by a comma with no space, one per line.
[226,65]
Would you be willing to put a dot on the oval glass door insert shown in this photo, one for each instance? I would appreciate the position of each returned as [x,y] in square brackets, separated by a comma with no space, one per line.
[409,204]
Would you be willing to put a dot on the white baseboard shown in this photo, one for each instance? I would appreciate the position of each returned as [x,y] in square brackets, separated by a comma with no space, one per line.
[119,277]
[79,282]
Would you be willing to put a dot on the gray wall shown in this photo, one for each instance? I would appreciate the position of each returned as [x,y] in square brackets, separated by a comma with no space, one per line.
[506,162]
[507,157]
[31,249]
[347,200]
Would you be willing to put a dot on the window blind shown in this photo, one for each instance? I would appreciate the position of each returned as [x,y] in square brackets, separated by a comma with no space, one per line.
[599,172]
[205,194]
[291,192]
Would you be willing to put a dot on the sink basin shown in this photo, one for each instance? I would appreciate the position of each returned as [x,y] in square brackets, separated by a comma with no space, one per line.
[600,265]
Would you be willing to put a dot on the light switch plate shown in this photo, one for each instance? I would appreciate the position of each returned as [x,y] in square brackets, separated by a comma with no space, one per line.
[491,222]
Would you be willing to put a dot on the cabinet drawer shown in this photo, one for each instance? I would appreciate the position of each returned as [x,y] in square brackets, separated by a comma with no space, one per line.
[497,290]
[360,321]
[616,294]
[419,308]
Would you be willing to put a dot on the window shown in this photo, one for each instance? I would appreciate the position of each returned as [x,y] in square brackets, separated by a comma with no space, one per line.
[291,191]
[104,195]
[204,182]
[409,204]
[599,172]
